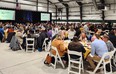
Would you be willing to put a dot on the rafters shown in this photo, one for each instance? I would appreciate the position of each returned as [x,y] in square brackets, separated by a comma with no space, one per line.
[65,4]
[52,3]
[79,3]
[36,1]
[67,1]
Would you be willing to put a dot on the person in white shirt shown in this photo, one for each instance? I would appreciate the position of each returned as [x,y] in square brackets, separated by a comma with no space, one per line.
[71,33]
[86,29]
[83,37]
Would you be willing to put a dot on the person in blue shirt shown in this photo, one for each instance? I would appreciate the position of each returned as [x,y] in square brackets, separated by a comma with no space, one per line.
[1,33]
[98,49]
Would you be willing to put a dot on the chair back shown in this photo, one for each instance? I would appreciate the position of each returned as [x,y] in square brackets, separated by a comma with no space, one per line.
[44,44]
[56,56]
[29,44]
[78,61]
[106,59]
[108,56]
[30,41]
[74,53]
[107,31]
[45,41]
[49,46]
[55,49]
[114,58]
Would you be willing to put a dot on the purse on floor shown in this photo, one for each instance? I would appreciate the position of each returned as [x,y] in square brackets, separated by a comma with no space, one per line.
[48,59]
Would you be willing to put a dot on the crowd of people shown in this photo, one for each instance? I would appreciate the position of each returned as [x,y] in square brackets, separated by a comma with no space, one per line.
[101,36]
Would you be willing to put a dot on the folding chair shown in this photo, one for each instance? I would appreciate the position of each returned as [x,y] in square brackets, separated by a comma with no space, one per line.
[57,57]
[29,44]
[107,31]
[114,58]
[72,61]
[103,62]
[44,44]
[48,46]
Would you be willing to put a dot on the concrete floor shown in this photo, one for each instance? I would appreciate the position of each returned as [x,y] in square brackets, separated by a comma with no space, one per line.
[20,62]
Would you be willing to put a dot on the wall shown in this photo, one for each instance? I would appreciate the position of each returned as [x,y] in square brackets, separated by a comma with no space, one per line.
[26,5]
[111,14]
[89,11]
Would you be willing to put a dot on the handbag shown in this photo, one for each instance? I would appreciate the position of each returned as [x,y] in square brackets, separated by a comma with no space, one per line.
[48,59]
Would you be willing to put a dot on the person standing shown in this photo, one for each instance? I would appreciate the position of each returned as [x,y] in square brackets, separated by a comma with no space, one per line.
[1,33]
[86,29]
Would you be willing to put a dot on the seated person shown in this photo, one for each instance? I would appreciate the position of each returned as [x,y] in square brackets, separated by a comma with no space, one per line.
[78,31]
[98,48]
[9,37]
[49,33]
[83,37]
[62,32]
[110,48]
[99,32]
[10,29]
[59,44]
[27,35]
[71,33]
[19,35]
[112,38]
[98,36]
[41,38]
[115,31]
[108,43]
[14,44]
[76,46]
[1,33]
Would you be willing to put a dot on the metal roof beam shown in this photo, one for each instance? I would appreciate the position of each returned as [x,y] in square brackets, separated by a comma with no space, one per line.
[65,4]
[67,1]
[36,1]
[67,9]
[81,10]
[79,3]
[52,3]
[103,12]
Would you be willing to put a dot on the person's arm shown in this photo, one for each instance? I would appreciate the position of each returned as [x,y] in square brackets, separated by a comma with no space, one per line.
[83,49]
[3,31]
[111,46]
[92,50]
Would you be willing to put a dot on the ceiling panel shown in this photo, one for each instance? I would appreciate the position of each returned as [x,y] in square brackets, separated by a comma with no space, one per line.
[110,1]
[71,4]
[54,1]
[10,0]
[44,1]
